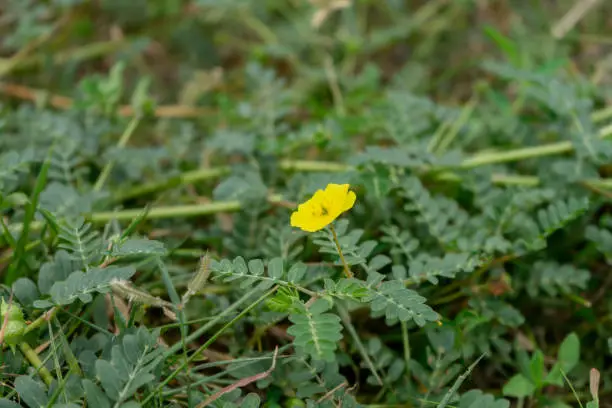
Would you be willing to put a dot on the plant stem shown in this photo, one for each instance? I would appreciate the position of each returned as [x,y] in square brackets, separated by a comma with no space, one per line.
[214,172]
[48,315]
[456,126]
[29,246]
[407,356]
[482,159]
[191,210]
[602,114]
[346,319]
[526,153]
[200,331]
[479,159]
[125,137]
[36,362]
[347,270]
[166,212]
[211,340]
[178,180]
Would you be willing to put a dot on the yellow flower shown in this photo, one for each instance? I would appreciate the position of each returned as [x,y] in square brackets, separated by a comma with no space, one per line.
[323,207]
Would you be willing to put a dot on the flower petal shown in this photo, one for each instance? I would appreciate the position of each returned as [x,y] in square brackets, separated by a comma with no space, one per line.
[323,207]
[308,223]
[349,201]
[336,191]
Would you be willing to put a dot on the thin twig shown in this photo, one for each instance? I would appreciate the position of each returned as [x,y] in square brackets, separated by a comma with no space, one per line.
[7,66]
[63,102]
[572,17]
[347,270]
[329,393]
[241,383]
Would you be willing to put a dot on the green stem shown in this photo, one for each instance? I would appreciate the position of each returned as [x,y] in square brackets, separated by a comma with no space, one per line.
[456,126]
[191,210]
[125,137]
[176,300]
[407,356]
[178,180]
[200,331]
[346,319]
[479,159]
[578,299]
[347,270]
[28,247]
[482,159]
[602,114]
[194,176]
[447,299]
[204,346]
[332,79]
[36,362]
[167,212]
[41,320]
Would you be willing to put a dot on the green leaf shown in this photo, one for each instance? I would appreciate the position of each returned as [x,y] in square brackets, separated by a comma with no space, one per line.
[130,365]
[478,399]
[110,378]
[81,285]
[32,392]
[57,270]
[25,291]
[567,358]
[283,300]
[569,352]
[560,213]
[252,400]
[444,218]
[355,252]
[519,387]
[15,268]
[64,200]
[296,272]
[555,279]
[94,395]
[13,163]
[505,44]
[536,368]
[320,306]
[396,302]
[246,187]
[275,268]
[130,404]
[555,376]
[253,272]
[77,238]
[5,403]
[138,247]
[428,268]
[347,288]
[316,333]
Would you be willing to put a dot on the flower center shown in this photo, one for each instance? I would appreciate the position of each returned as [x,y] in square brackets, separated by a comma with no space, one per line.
[320,211]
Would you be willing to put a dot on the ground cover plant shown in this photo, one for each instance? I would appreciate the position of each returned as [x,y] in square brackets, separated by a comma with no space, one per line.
[291,203]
